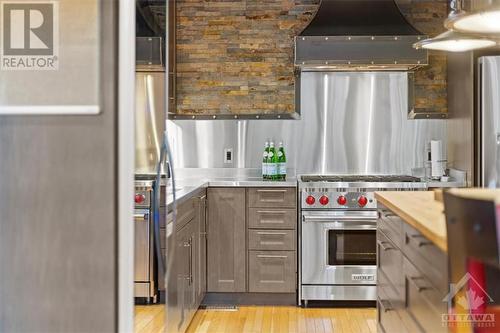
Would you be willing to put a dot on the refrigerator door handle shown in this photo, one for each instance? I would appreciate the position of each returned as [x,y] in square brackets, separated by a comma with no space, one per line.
[164,153]
[480,101]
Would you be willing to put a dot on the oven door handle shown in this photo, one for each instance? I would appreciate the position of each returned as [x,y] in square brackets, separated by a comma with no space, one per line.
[344,225]
[330,219]
[339,216]
[347,228]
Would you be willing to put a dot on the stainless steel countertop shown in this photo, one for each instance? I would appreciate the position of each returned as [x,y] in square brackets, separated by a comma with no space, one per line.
[450,184]
[183,192]
[186,188]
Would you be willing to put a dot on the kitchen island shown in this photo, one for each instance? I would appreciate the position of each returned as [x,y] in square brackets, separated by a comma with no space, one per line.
[412,262]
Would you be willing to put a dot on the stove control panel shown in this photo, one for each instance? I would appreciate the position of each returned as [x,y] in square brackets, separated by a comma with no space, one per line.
[314,199]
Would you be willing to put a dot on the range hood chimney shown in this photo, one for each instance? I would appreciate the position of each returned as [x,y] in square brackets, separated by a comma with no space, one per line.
[369,35]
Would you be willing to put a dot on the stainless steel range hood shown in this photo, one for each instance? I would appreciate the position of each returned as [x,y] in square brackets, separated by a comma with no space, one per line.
[365,35]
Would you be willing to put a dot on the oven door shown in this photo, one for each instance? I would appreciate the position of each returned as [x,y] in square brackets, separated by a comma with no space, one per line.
[339,247]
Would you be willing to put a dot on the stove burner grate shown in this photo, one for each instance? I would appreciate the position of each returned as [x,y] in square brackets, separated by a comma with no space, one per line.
[361,178]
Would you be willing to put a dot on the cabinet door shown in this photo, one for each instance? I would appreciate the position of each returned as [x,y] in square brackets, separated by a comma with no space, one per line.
[226,240]
[185,274]
[177,289]
[192,244]
[272,271]
[201,260]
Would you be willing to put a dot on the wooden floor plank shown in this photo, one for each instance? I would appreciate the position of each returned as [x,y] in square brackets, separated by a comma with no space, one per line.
[259,317]
[264,319]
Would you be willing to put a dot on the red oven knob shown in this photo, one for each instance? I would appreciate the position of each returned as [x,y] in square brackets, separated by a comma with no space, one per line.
[324,200]
[342,200]
[362,201]
[310,200]
[139,198]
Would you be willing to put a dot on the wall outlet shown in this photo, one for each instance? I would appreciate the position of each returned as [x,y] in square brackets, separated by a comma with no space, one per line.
[228,156]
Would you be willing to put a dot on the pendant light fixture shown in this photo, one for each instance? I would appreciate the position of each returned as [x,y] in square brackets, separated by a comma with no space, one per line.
[452,41]
[481,17]
[456,41]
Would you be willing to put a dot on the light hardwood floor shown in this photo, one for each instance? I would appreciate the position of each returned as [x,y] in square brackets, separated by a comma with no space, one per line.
[265,319]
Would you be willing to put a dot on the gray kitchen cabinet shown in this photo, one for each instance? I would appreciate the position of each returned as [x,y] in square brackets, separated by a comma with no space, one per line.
[201,253]
[272,240]
[186,287]
[180,289]
[271,271]
[186,212]
[412,278]
[226,250]
[187,241]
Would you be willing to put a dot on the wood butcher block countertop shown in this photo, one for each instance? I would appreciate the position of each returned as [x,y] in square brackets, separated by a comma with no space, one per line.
[420,210]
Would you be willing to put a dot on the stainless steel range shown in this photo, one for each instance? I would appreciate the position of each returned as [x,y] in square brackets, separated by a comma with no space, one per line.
[148,279]
[338,239]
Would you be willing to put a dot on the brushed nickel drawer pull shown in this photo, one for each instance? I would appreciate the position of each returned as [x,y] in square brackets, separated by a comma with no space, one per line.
[271,233]
[424,242]
[271,256]
[272,191]
[414,280]
[190,261]
[273,212]
[385,248]
[386,306]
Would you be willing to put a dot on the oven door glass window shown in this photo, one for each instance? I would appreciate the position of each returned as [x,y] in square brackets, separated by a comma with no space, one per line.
[352,247]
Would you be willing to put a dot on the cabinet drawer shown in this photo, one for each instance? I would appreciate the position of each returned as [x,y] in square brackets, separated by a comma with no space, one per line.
[272,197]
[272,271]
[423,302]
[426,257]
[272,218]
[388,318]
[391,225]
[280,240]
[390,261]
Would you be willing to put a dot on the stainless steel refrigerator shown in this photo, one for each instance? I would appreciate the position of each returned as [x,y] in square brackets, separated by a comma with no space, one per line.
[488,122]
[473,126]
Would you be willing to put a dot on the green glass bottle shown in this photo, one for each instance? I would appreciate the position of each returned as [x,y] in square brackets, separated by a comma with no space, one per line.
[281,162]
[265,172]
[272,160]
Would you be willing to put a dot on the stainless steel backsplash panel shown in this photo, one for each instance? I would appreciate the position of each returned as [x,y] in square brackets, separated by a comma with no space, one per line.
[351,123]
